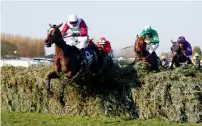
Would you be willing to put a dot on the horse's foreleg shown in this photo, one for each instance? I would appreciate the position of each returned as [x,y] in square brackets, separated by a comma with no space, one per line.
[175,61]
[172,63]
[49,77]
[62,88]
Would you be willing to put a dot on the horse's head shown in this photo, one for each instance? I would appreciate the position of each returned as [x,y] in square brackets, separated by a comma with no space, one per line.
[175,48]
[53,35]
[139,44]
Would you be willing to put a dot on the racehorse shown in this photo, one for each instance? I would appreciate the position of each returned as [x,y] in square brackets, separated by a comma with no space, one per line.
[178,56]
[143,55]
[67,59]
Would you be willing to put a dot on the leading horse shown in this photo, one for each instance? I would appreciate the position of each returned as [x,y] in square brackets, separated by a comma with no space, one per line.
[143,55]
[67,59]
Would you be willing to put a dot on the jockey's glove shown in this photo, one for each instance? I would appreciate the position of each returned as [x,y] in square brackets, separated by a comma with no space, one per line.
[75,34]
[64,34]
[147,41]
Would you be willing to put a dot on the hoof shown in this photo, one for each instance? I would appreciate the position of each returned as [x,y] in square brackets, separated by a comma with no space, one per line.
[62,103]
[50,94]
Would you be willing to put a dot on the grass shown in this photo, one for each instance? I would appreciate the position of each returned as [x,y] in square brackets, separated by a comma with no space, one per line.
[36,119]
[170,95]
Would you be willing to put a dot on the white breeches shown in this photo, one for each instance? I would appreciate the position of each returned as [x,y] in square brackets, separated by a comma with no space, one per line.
[152,47]
[79,42]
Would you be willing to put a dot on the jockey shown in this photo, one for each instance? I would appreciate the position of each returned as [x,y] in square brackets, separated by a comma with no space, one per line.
[104,45]
[105,49]
[79,29]
[185,47]
[164,61]
[151,39]
[197,58]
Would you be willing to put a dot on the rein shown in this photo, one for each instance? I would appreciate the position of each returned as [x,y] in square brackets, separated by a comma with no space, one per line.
[60,57]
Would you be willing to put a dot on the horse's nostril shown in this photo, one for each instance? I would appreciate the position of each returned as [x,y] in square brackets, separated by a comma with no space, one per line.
[46,41]
[48,45]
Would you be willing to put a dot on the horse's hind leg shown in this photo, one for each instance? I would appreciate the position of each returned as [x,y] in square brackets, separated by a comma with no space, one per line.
[49,77]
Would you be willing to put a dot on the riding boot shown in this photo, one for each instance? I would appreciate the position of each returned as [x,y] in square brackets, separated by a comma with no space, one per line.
[84,62]
[155,61]
[199,64]
[154,54]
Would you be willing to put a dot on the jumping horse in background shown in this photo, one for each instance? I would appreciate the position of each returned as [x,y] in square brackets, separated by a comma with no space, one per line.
[178,56]
[142,55]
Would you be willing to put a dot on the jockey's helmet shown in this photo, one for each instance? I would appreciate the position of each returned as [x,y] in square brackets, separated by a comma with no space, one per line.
[147,29]
[181,39]
[73,19]
[102,40]
[163,57]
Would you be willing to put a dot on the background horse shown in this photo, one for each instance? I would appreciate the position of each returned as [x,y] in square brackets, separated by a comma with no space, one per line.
[178,56]
[143,55]
[105,60]
[67,59]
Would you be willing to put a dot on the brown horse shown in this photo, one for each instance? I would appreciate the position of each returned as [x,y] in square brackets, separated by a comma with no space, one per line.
[67,59]
[143,55]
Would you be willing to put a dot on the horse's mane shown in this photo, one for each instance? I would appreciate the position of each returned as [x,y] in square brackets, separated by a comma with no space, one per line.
[137,43]
[67,49]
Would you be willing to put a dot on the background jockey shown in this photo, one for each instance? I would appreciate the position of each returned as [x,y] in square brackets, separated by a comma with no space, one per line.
[164,61]
[196,59]
[185,47]
[105,49]
[78,29]
[152,39]
[104,45]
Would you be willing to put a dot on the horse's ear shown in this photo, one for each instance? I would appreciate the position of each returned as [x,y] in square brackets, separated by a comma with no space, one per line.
[172,41]
[59,25]
[137,36]
[50,25]
[90,40]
